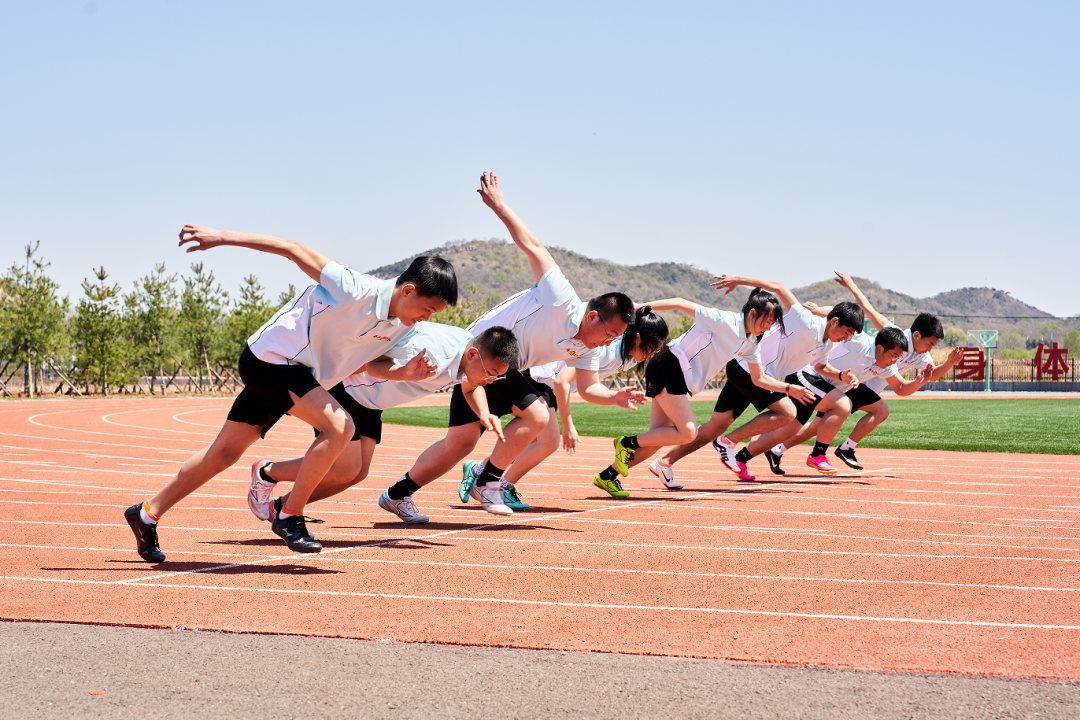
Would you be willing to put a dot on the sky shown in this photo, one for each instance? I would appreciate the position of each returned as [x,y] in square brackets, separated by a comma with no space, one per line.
[928,146]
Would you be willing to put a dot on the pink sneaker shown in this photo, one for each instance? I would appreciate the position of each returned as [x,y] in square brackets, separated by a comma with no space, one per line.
[743,474]
[821,464]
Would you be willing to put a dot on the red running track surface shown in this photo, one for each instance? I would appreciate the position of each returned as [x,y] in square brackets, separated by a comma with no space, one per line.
[935,561]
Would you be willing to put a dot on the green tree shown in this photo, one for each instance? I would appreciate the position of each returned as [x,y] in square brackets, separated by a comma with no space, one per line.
[286,296]
[467,309]
[955,337]
[32,321]
[102,353]
[151,312]
[202,304]
[1072,342]
[250,313]
[1010,340]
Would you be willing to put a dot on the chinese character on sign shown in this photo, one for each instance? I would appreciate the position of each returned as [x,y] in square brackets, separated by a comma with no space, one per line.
[972,366]
[1051,360]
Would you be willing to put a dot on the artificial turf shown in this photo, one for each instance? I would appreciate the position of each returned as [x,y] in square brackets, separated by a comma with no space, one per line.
[1050,426]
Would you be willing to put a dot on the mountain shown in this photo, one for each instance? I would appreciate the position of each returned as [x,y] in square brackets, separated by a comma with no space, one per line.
[498,269]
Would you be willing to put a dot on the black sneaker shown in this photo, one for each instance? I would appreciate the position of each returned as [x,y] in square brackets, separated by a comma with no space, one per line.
[848,456]
[294,531]
[774,462]
[277,508]
[145,535]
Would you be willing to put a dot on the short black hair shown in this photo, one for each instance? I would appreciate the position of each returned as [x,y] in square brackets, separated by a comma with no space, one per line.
[498,343]
[928,325]
[613,305]
[764,302]
[433,276]
[891,338]
[650,327]
[849,315]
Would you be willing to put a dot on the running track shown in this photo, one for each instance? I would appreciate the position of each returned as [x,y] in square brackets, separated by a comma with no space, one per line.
[929,561]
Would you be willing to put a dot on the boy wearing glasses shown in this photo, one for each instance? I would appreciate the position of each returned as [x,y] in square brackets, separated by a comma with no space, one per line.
[437,358]
[551,323]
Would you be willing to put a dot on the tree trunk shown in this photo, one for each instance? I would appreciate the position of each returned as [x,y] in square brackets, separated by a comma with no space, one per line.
[30,378]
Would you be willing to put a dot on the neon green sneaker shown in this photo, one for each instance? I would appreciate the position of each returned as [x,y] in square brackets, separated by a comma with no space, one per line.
[611,487]
[623,456]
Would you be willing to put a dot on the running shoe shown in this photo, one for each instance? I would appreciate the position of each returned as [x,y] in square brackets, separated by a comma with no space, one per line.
[611,487]
[511,499]
[726,449]
[490,498]
[260,491]
[848,456]
[403,508]
[469,472]
[145,535]
[774,462]
[293,530]
[821,464]
[666,473]
[623,456]
[744,474]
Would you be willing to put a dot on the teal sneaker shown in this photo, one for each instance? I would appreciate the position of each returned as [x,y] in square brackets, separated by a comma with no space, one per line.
[468,477]
[512,500]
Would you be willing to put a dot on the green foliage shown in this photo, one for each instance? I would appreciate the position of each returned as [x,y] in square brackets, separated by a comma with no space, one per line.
[467,309]
[202,305]
[1010,340]
[150,313]
[955,337]
[248,315]
[102,355]
[1072,342]
[32,319]
[286,296]
[1015,354]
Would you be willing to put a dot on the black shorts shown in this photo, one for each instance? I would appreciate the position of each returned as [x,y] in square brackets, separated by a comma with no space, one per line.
[368,422]
[265,397]
[664,373]
[740,391]
[516,390]
[815,384]
[862,396]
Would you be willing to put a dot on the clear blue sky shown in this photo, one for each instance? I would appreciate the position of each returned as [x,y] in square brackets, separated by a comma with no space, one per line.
[927,145]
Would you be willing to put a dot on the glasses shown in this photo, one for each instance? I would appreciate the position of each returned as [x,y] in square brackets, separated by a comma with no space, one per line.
[609,337]
[490,377]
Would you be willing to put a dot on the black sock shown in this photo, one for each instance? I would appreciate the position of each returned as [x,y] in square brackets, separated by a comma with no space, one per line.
[744,456]
[490,474]
[402,488]
[609,473]
[265,477]
[630,442]
[819,449]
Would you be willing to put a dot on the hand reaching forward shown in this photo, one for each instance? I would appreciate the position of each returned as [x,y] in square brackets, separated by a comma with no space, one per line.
[727,283]
[418,368]
[203,237]
[494,424]
[490,191]
[629,398]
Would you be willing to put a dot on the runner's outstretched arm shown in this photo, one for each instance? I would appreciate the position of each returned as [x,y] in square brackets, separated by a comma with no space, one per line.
[730,282]
[876,319]
[680,304]
[310,261]
[540,260]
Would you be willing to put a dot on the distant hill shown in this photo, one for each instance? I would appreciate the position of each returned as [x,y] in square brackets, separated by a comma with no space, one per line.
[497,268]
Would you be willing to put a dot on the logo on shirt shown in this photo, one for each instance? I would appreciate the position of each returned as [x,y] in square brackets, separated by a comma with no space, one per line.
[381,337]
[572,353]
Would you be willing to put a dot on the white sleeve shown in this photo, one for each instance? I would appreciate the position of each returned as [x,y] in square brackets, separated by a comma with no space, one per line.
[554,289]
[805,318]
[753,356]
[404,349]
[345,284]
[586,361]
[716,322]
[889,371]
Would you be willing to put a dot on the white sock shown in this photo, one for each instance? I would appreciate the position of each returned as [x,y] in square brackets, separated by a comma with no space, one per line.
[146,518]
[779,449]
[503,485]
[282,515]
[849,444]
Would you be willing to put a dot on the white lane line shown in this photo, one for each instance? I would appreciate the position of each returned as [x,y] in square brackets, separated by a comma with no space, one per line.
[127,550]
[667,609]
[1008,537]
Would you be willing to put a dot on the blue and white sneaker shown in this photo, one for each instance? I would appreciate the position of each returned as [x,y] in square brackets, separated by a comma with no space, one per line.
[511,499]
[469,472]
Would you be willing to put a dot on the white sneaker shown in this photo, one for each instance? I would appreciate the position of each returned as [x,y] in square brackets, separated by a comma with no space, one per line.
[490,497]
[259,494]
[726,449]
[403,508]
[665,473]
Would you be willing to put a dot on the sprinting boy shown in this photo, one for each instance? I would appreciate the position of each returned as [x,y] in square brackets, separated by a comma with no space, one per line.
[310,345]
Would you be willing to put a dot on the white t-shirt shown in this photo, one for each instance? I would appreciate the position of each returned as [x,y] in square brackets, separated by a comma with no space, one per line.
[445,345]
[803,343]
[716,337]
[334,327]
[611,363]
[908,360]
[544,319]
[859,356]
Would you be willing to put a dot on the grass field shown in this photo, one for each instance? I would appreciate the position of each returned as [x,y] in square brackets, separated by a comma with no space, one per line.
[973,425]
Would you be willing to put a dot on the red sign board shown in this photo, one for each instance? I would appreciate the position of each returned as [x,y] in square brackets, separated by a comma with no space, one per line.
[1051,361]
[972,365]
